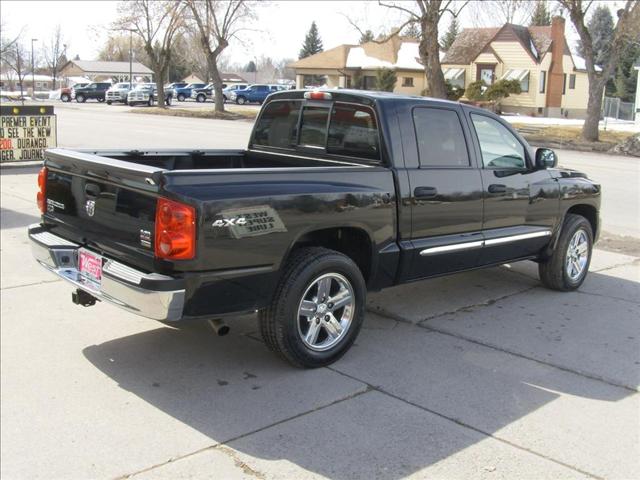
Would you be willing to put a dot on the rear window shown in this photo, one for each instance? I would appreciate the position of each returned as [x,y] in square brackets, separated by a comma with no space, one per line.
[278,126]
[352,129]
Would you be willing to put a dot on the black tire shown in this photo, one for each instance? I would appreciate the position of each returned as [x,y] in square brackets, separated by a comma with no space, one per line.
[150,101]
[281,324]
[554,271]
[100,100]
[109,102]
[80,98]
[65,97]
[201,98]
[241,100]
[168,101]
[181,97]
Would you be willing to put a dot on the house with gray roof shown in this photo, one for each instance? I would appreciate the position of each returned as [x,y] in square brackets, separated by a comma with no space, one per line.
[105,70]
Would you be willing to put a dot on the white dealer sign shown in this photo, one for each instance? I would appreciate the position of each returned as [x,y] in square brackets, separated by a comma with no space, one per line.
[26,132]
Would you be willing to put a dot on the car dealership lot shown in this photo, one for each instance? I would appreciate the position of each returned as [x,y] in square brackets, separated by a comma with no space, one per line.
[477,375]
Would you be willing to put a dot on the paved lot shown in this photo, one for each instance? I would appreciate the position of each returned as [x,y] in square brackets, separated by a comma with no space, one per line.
[477,375]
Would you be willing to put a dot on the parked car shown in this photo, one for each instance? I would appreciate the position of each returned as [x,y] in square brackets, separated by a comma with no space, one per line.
[175,85]
[68,93]
[118,93]
[147,93]
[201,95]
[252,94]
[183,93]
[93,91]
[338,192]
[226,93]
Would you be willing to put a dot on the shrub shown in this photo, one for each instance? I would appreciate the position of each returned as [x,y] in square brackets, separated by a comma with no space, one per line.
[453,92]
[502,89]
[474,91]
[386,80]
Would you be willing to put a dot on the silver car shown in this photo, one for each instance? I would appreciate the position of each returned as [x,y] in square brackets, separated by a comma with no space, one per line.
[118,93]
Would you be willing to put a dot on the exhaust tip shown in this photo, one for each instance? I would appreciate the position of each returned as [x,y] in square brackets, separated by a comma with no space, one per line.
[219,327]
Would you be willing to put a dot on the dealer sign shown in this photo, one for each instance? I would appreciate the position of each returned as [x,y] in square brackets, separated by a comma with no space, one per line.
[26,131]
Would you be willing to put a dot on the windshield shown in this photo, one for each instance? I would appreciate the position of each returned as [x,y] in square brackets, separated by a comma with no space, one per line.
[121,85]
[145,86]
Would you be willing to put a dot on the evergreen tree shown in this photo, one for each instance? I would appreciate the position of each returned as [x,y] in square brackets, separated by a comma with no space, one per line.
[540,16]
[312,42]
[386,80]
[450,35]
[251,67]
[366,37]
[412,31]
[625,80]
[600,28]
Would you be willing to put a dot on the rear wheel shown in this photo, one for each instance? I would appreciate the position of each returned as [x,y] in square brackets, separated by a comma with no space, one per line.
[80,98]
[568,266]
[200,98]
[168,101]
[109,102]
[150,101]
[181,97]
[65,97]
[100,100]
[241,100]
[318,308]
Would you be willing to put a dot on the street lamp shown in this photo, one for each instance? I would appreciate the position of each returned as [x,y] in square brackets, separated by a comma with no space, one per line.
[33,77]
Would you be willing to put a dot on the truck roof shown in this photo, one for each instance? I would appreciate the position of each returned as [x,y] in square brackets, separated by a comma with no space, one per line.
[351,94]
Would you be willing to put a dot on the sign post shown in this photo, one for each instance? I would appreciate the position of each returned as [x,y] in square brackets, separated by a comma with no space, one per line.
[26,132]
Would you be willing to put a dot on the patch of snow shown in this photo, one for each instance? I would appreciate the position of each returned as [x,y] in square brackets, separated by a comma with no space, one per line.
[533,49]
[408,58]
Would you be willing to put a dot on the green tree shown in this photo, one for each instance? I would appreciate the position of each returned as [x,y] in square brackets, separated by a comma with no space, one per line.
[450,35]
[312,42]
[386,79]
[625,80]
[453,93]
[540,16]
[502,89]
[366,37]
[600,27]
[474,90]
[251,67]
[412,31]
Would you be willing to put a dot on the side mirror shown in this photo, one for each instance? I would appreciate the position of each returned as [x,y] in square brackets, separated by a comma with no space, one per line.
[546,158]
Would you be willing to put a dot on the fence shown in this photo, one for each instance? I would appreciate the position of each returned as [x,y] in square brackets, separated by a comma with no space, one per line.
[612,107]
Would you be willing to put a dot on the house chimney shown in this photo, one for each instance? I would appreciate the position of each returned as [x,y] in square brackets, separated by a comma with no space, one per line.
[555,81]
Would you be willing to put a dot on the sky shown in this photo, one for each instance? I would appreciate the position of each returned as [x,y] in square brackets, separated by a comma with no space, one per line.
[277,33]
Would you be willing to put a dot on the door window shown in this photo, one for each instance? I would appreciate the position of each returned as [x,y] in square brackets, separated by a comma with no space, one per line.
[499,147]
[441,141]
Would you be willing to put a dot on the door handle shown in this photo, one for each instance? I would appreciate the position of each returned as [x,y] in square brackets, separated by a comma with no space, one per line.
[496,188]
[92,190]
[425,192]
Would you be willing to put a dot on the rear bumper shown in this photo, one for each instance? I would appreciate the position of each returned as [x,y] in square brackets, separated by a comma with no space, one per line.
[150,295]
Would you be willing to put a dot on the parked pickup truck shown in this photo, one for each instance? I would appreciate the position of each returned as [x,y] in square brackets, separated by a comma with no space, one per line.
[339,192]
[118,93]
[92,91]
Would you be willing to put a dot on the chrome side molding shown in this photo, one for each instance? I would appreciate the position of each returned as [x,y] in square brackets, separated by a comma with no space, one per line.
[482,243]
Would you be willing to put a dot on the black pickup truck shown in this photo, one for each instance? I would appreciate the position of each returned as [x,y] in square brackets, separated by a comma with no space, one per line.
[339,192]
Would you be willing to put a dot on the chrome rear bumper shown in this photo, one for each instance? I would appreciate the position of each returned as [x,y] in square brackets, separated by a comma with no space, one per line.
[151,295]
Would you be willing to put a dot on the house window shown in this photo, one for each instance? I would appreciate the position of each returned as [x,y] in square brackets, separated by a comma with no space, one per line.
[407,81]
[520,75]
[455,77]
[572,82]
[564,83]
[543,81]
[368,82]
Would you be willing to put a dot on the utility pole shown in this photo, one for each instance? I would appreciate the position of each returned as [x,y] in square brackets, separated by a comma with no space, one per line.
[33,77]
[130,59]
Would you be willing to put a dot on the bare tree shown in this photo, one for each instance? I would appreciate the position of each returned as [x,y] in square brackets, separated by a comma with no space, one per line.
[627,30]
[499,12]
[15,58]
[218,21]
[427,14]
[156,22]
[6,43]
[54,53]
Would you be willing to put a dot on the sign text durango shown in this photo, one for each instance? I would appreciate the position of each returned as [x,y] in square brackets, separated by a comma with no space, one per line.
[26,131]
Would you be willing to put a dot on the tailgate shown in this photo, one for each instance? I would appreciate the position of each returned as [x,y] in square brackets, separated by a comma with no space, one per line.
[106,204]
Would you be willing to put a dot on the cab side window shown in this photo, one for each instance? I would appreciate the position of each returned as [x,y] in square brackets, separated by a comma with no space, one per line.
[441,141]
[499,147]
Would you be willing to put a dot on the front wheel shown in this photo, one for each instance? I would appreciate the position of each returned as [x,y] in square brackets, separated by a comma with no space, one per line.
[100,100]
[181,97]
[567,267]
[168,101]
[109,102]
[317,310]
[80,99]
[201,98]
[241,100]
[150,102]
[65,98]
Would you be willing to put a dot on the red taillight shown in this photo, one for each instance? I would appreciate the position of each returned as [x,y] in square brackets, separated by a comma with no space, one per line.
[42,190]
[175,230]
[317,95]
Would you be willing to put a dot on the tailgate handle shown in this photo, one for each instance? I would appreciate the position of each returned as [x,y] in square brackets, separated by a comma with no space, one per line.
[92,190]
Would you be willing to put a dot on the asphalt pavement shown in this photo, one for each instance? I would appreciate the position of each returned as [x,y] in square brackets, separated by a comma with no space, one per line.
[477,375]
